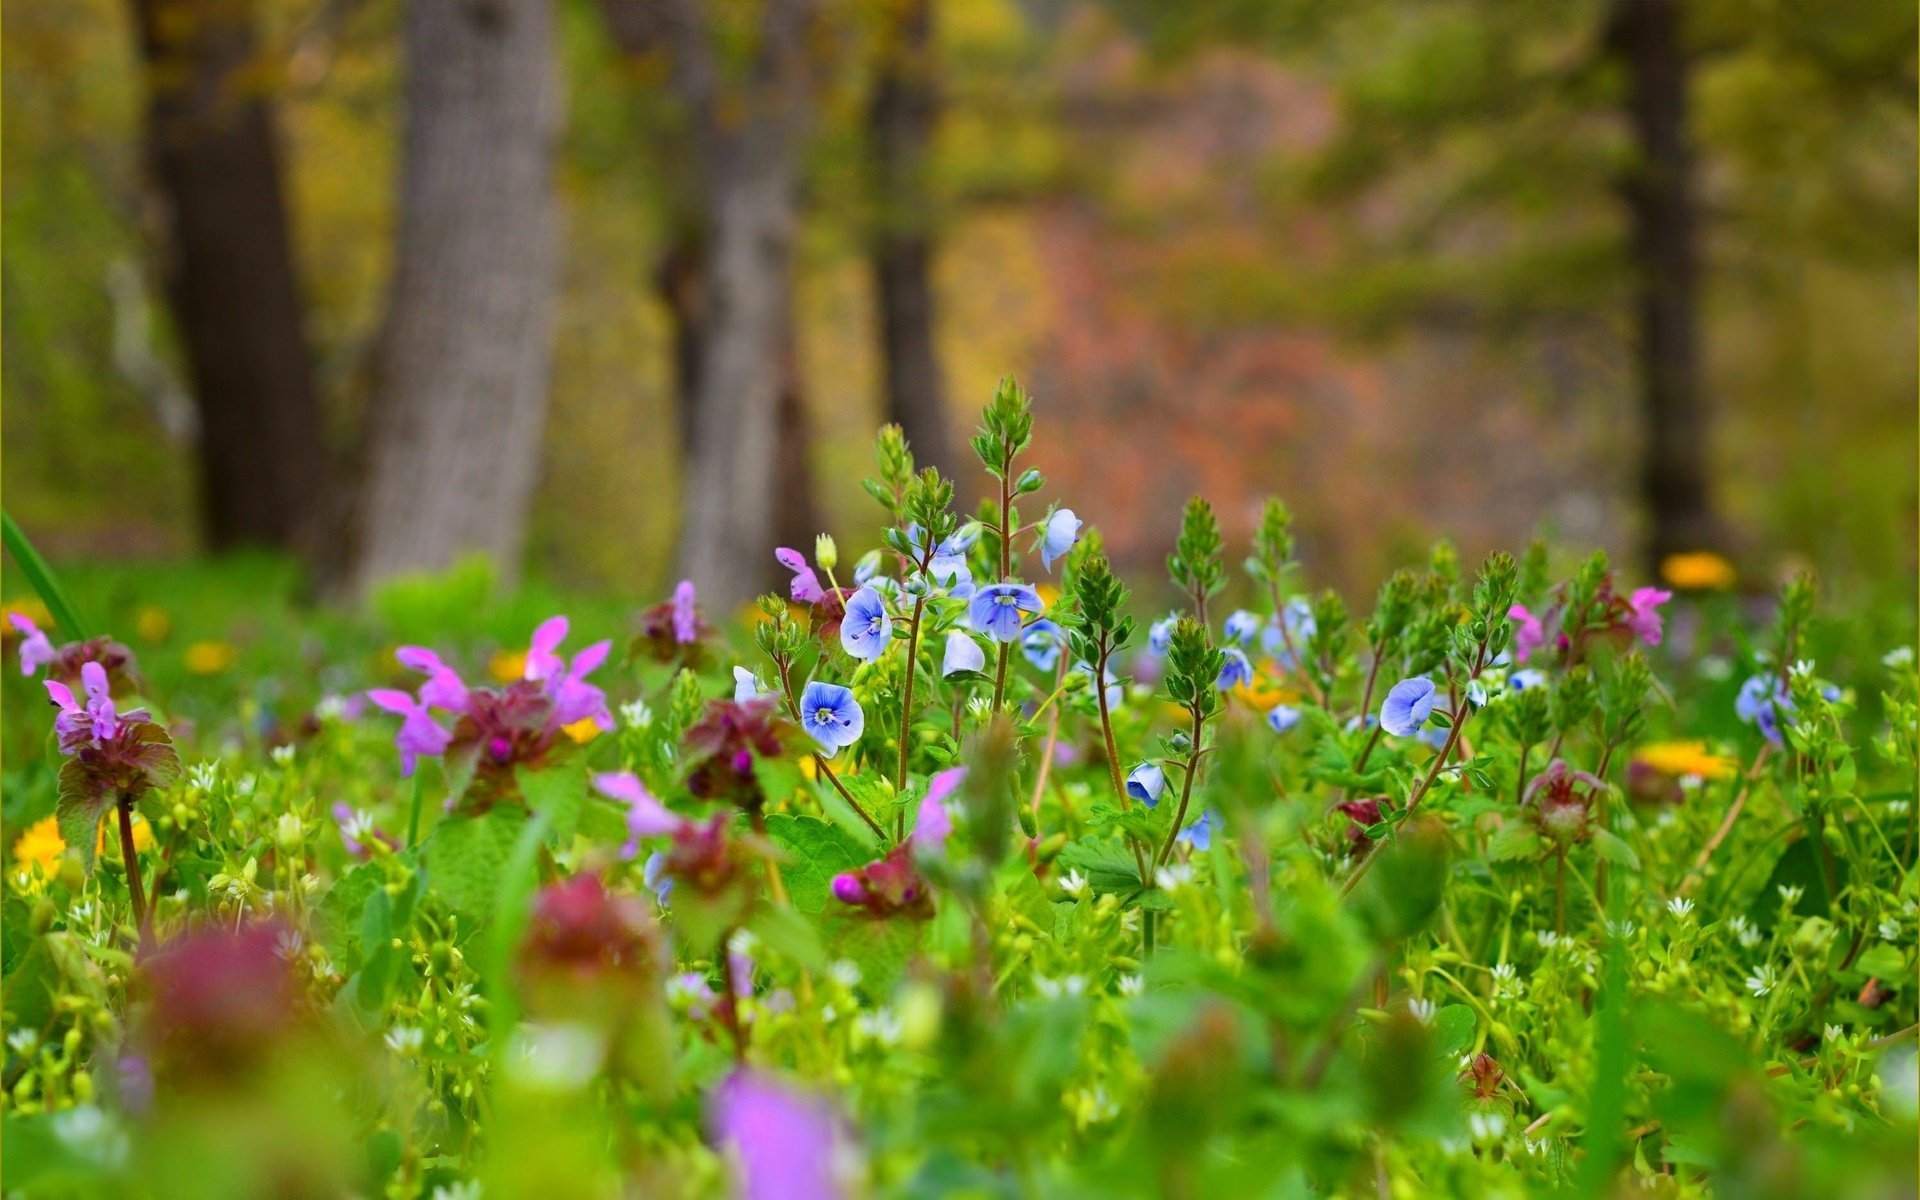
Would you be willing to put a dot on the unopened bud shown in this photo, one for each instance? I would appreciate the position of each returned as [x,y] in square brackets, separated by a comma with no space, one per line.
[825,552]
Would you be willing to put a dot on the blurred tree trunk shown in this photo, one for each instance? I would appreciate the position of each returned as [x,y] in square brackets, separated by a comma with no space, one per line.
[900,120]
[743,420]
[460,395]
[229,274]
[1646,37]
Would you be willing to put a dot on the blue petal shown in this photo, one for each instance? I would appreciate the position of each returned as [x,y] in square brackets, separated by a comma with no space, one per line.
[1283,717]
[1146,782]
[1407,706]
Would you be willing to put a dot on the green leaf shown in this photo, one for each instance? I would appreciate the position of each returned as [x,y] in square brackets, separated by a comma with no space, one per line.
[1108,866]
[466,855]
[786,932]
[1614,849]
[42,579]
[817,851]
[1514,841]
[1452,1031]
[559,792]
[1884,961]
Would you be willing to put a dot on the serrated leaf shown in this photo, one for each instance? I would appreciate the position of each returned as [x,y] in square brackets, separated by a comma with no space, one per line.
[466,855]
[816,851]
[1614,849]
[144,759]
[786,932]
[560,791]
[1452,1031]
[1513,841]
[1108,866]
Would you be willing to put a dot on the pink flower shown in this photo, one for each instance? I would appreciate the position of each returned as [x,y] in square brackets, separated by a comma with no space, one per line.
[785,1140]
[419,732]
[1528,635]
[1643,613]
[574,699]
[686,614]
[36,650]
[646,816]
[444,688]
[806,585]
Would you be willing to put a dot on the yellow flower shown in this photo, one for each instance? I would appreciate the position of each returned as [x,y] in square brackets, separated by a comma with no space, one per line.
[41,845]
[108,840]
[210,658]
[583,731]
[1265,690]
[508,665]
[152,623]
[1049,595]
[1685,758]
[30,608]
[1697,571]
[808,767]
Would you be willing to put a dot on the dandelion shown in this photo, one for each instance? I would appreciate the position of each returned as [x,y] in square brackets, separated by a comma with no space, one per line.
[1683,759]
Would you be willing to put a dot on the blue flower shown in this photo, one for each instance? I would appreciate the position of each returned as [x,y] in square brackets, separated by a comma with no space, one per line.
[1199,835]
[1408,705]
[1432,737]
[1061,532]
[995,609]
[963,654]
[1235,672]
[1160,632]
[1114,691]
[746,685]
[1040,642]
[1526,678]
[1295,621]
[867,567]
[1242,626]
[654,875]
[1763,702]
[1283,717]
[831,714]
[1146,782]
[867,628]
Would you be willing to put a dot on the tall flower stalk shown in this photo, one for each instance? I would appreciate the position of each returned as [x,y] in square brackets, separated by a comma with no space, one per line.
[1006,430]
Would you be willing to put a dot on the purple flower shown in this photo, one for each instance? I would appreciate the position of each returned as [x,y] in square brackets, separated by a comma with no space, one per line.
[948,568]
[1242,626]
[866,629]
[574,699]
[36,650]
[1062,530]
[1146,782]
[686,613]
[785,1143]
[806,585]
[646,816]
[1408,705]
[444,688]
[1040,643]
[1282,717]
[962,654]
[934,820]
[1199,835]
[419,732]
[995,609]
[1527,634]
[1763,702]
[1235,672]
[1643,613]
[831,714]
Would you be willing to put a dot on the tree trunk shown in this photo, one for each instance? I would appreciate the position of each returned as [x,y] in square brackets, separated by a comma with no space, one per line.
[795,521]
[1646,36]
[900,118]
[230,276]
[461,381]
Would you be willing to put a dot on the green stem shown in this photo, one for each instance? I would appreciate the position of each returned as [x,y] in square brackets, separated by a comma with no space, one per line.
[906,701]
[1186,790]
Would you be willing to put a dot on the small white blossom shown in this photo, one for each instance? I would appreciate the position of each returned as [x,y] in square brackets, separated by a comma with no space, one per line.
[466,1189]
[1763,979]
[1621,929]
[23,1041]
[881,1025]
[1173,877]
[1074,884]
[282,755]
[636,714]
[405,1040]
[1834,1033]
[1053,989]
[845,972]
[1680,907]
[1897,658]
[203,775]
[1889,930]
[1130,985]
[1487,1126]
[1790,894]
[1422,1010]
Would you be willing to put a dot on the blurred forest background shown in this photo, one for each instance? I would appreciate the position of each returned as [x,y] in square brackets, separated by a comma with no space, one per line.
[617,290]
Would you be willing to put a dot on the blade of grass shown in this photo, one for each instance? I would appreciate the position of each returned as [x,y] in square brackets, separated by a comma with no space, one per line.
[510,914]
[42,579]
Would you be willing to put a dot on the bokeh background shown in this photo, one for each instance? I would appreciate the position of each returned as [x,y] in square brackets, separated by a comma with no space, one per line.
[615,292]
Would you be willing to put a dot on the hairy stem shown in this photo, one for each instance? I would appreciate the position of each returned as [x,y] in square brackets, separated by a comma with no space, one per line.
[131,859]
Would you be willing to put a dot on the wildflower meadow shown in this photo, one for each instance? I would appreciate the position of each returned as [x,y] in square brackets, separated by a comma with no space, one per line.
[957,868]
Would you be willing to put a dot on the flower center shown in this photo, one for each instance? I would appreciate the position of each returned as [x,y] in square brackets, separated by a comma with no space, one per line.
[823,716]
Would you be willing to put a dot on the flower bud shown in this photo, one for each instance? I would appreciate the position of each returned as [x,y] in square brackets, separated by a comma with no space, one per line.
[825,552]
[287,832]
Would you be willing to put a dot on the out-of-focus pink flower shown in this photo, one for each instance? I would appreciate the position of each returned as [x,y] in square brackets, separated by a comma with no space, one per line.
[785,1141]
[1527,633]
[1643,613]
[806,585]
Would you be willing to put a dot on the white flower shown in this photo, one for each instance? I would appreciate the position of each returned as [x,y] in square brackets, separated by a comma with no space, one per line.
[1547,938]
[282,755]
[1761,981]
[1680,907]
[636,714]
[1621,929]
[1130,985]
[1053,989]
[1074,884]
[846,973]
[23,1041]
[1889,930]
[1486,1127]
[243,786]
[1801,669]
[289,944]
[405,1040]
[1173,877]
[1422,1010]
[1790,894]
[466,1189]
[1834,1033]
[1897,658]
[881,1025]
[1898,808]
[203,775]
[1714,667]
